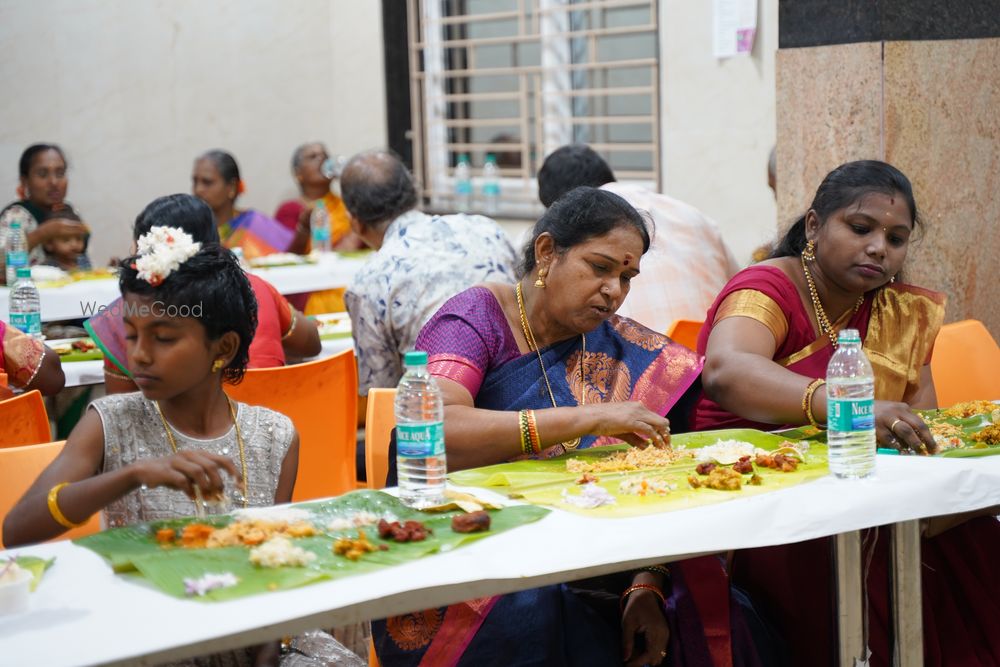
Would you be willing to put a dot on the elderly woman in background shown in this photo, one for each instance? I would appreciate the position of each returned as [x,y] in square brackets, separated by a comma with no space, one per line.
[42,194]
[314,187]
[216,181]
[767,341]
[540,368]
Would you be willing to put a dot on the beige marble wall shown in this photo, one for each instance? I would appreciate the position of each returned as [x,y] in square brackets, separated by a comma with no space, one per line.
[135,90]
[929,108]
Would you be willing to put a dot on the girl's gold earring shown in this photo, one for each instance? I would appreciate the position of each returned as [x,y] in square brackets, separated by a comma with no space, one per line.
[540,283]
[217,365]
[809,254]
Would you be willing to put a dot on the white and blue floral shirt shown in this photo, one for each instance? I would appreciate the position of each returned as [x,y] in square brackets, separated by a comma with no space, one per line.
[424,260]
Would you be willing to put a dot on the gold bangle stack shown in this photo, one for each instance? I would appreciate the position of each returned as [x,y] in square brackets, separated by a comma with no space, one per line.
[529,432]
[56,512]
[807,401]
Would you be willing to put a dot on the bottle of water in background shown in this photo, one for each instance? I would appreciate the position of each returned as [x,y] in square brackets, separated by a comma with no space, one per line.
[319,223]
[850,407]
[25,305]
[16,252]
[491,185]
[420,458]
[463,185]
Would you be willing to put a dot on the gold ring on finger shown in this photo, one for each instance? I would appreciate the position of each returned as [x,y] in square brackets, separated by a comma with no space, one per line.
[892,426]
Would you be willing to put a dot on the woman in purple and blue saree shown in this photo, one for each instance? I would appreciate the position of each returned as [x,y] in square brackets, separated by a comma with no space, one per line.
[540,368]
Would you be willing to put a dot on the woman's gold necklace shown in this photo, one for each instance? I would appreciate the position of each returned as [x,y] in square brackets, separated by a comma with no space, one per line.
[529,336]
[821,318]
[239,441]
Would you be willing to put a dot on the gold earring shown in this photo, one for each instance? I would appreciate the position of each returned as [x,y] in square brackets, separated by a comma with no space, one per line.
[892,280]
[217,365]
[540,283]
[809,254]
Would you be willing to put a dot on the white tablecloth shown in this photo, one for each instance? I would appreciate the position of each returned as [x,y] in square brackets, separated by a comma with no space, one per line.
[79,373]
[79,300]
[84,614]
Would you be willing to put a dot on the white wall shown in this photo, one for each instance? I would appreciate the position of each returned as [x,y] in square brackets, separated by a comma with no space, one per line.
[134,90]
[718,122]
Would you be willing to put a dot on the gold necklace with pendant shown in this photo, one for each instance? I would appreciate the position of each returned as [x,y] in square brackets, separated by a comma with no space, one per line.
[529,336]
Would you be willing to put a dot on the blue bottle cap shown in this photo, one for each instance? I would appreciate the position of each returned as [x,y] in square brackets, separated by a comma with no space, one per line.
[849,336]
[415,358]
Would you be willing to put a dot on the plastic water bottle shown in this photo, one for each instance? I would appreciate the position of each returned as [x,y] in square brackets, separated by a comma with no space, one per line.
[491,185]
[850,407]
[420,458]
[319,222]
[25,305]
[463,184]
[16,251]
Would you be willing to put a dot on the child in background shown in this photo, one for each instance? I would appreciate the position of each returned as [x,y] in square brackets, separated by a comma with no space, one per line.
[67,250]
[146,456]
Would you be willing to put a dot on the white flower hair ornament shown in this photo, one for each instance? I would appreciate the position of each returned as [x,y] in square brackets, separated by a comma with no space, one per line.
[161,251]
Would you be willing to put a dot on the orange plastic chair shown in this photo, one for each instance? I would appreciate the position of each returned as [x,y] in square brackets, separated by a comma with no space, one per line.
[685,332]
[19,467]
[24,421]
[379,422]
[321,399]
[966,363]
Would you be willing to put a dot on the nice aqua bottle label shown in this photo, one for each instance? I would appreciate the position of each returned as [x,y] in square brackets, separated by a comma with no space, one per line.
[850,414]
[421,440]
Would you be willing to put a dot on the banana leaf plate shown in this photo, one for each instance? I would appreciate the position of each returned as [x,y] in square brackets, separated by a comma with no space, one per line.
[544,482]
[134,549]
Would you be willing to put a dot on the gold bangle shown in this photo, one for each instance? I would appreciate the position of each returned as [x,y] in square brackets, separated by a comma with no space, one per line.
[522,424]
[291,326]
[807,401]
[56,512]
[533,439]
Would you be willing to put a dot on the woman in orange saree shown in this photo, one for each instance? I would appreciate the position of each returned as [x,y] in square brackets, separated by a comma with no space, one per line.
[768,339]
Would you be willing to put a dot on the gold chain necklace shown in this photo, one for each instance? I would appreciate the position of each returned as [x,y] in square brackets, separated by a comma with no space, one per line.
[529,336]
[824,321]
[239,441]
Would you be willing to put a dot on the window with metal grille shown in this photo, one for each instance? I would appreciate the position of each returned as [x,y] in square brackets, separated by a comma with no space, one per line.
[516,79]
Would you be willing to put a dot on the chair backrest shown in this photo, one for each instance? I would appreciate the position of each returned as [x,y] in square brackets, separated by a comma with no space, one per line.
[966,363]
[685,332]
[321,399]
[379,422]
[19,467]
[24,421]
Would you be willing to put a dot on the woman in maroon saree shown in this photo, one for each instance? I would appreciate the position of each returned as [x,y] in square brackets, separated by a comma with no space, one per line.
[768,339]
[552,348]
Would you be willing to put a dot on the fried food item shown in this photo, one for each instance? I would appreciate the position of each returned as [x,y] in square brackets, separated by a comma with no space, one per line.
[969,408]
[755,480]
[988,437]
[196,535]
[587,478]
[473,522]
[408,531]
[166,535]
[780,462]
[694,482]
[353,549]
[743,466]
[83,345]
[705,468]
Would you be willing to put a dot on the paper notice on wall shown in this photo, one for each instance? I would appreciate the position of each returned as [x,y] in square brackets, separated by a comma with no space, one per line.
[734,27]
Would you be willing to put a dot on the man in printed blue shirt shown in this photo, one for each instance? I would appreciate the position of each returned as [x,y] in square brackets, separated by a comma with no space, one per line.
[420,261]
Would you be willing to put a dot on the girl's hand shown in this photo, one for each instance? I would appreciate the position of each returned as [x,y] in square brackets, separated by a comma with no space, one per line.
[643,616]
[898,427]
[185,470]
[632,422]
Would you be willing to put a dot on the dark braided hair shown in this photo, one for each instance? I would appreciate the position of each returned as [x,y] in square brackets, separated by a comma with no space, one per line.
[213,279]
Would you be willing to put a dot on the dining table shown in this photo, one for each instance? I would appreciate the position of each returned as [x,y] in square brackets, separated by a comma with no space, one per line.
[84,614]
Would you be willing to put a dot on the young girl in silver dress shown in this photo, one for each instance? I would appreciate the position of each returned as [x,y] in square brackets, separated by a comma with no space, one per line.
[190,315]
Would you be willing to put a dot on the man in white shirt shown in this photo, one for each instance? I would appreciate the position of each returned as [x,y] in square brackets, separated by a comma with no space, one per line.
[420,261]
[688,263]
